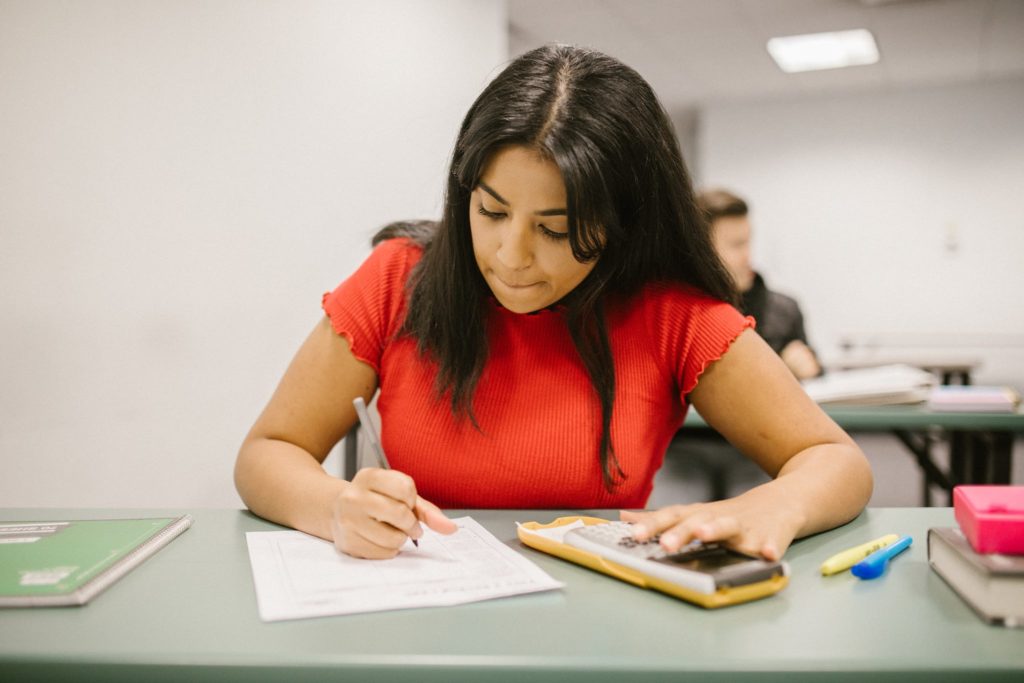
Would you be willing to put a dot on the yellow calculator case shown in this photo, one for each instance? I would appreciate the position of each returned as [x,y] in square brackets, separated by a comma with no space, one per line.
[723,596]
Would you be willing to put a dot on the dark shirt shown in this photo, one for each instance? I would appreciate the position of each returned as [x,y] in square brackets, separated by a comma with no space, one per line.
[779,320]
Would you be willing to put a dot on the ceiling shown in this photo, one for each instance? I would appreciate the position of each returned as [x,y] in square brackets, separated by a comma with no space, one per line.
[698,52]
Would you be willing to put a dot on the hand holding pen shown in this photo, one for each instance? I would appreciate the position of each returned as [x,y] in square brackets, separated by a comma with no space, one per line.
[380,508]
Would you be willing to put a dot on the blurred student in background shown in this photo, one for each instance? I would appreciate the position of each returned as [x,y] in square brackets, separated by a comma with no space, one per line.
[707,456]
[779,320]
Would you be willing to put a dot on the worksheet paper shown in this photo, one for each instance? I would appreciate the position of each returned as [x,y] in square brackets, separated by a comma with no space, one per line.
[299,576]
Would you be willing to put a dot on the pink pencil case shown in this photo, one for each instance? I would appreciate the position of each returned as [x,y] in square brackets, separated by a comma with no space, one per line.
[991,517]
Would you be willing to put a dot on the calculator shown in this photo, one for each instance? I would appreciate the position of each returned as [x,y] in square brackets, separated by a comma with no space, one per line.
[704,568]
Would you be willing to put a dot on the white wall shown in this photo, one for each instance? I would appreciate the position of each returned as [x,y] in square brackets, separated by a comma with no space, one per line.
[179,183]
[891,216]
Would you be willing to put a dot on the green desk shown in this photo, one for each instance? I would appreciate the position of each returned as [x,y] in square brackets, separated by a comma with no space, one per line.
[980,444]
[189,613]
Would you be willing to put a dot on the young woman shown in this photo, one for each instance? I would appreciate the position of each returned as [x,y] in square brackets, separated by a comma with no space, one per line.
[540,347]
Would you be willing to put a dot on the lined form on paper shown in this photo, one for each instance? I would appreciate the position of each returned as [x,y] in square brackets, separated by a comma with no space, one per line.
[298,575]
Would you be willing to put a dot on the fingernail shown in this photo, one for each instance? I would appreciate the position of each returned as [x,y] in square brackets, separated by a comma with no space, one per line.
[669,541]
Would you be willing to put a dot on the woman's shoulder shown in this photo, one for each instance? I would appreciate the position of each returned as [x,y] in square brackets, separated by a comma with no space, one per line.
[660,295]
[398,250]
[390,262]
[682,327]
[367,307]
[380,279]
[677,310]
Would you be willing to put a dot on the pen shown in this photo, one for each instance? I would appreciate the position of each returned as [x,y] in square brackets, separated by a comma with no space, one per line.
[371,435]
[852,556]
[874,564]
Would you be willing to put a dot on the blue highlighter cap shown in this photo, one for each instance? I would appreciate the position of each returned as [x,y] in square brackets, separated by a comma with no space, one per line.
[873,566]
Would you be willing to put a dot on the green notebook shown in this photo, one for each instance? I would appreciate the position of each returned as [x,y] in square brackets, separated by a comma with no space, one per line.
[69,563]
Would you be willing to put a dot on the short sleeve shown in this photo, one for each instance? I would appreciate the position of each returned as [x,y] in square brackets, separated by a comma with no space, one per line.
[367,308]
[693,330]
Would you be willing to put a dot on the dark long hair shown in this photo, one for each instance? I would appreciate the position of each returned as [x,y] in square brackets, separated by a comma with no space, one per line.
[630,205]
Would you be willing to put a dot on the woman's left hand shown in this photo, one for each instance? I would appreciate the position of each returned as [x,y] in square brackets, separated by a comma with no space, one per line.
[753,523]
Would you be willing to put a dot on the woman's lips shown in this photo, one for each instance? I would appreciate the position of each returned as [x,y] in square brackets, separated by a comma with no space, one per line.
[515,285]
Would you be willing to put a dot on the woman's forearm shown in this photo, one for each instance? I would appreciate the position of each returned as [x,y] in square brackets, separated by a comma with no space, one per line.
[828,484]
[283,483]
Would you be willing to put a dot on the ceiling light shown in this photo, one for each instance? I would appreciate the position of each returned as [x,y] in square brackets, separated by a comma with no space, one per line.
[814,51]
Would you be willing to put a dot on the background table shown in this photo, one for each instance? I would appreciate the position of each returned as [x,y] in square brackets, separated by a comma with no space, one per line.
[189,613]
[980,444]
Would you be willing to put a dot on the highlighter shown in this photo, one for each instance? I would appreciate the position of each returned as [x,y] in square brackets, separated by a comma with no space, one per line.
[850,557]
[874,564]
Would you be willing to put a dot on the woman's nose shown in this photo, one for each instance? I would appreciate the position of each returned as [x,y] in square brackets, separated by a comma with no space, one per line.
[516,249]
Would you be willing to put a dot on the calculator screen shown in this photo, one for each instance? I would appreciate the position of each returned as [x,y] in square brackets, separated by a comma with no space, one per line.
[706,559]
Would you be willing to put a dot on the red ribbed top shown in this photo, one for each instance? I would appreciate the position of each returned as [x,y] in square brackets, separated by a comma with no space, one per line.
[539,416]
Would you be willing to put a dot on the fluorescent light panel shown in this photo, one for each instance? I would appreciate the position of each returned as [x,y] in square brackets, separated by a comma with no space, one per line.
[815,51]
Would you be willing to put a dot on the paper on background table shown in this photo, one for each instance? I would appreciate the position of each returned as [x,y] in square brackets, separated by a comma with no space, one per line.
[298,575]
[884,385]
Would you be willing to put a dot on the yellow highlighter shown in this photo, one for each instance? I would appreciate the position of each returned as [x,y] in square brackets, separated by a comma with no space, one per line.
[848,558]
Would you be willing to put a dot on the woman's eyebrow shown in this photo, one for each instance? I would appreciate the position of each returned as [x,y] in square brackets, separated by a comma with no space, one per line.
[546,212]
[486,188]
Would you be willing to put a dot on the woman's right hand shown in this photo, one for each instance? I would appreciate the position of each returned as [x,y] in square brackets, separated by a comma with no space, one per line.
[378,511]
